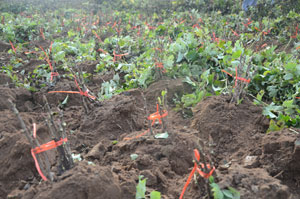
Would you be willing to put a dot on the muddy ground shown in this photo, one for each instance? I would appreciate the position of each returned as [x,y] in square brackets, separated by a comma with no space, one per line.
[257,164]
[233,138]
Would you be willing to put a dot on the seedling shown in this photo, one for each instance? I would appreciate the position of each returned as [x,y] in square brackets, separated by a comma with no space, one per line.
[219,193]
[240,83]
[141,190]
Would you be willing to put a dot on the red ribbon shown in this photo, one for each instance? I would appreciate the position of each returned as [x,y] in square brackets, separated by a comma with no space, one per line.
[12,46]
[198,169]
[117,57]
[236,77]
[296,33]
[153,117]
[157,116]
[161,66]
[49,62]
[78,92]
[45,147]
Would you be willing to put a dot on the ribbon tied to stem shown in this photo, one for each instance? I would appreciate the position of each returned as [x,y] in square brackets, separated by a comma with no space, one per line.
[197,167]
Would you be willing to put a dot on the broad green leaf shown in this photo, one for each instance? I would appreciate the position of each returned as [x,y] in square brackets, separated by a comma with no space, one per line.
[227,194]
[188,99]
[217,193]
[134,156]
[155,195]
[288,76]
[290,66]
[189,81]
[180,57]
[235,193]
[65,100]
[236,54]
[164,135]
[141,188]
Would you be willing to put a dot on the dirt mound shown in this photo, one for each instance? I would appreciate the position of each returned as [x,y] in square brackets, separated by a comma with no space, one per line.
[280,157]
[16,163]
[20,96]
[174,88]
[55,99]
[31,65]
[4,46]
[119,115]
[84,181]
[253,183]
[162,161]
[258,165]
[230,130]
[4,79]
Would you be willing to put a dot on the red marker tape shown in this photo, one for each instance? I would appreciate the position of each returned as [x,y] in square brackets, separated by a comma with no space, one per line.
[197,167]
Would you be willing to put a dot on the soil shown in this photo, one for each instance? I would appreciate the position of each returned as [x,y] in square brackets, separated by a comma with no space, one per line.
[4,46]
[232,137]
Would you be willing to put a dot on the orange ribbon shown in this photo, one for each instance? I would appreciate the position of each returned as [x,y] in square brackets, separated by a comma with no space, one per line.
[117,57]
[76,92]
[139,135]
[156,116]
[42,33]
[235,33]
[49,62]
[12,46]
[248,23]
[161,66]
[153,117]
[198,169]
[45,147]
[97,36]
[236,77]
[101,50]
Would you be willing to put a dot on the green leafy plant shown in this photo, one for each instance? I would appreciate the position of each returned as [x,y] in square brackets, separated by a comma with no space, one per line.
[219,193]
[141,190]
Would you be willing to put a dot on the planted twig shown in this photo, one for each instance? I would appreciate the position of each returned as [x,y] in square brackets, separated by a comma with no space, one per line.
[147,111]
[242,84]
[65,159]
[33,142]
[206,170]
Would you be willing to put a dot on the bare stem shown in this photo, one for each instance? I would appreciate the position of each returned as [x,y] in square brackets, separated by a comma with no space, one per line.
[33,142]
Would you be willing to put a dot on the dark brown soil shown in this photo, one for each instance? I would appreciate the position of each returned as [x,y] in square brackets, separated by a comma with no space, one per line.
[257,164]
[231,130]
[4,46]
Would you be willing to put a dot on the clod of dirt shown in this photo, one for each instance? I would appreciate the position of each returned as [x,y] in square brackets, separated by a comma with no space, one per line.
[83,181]
[117,116]
[4,79]
[16,163]
[55,99]
[281,158]
[20,96]
[230,130]
[31,65]
[165,162]
[278,152]
[174,87]
[97,152]
[253,183]
[4,46]
[88,67]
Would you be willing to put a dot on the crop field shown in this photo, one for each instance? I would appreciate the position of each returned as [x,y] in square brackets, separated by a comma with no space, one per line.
[149,99]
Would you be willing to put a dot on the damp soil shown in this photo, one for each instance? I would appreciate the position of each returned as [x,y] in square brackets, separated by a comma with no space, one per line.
[233,137]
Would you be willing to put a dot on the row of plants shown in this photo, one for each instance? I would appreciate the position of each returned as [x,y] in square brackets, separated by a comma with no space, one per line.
[191,45]
[217,52]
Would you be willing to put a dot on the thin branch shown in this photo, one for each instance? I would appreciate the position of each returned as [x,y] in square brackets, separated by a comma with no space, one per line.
[33,142]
